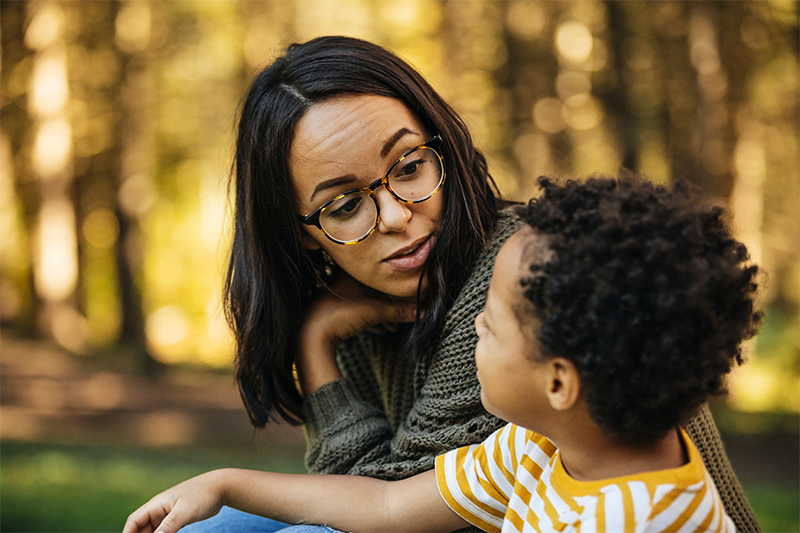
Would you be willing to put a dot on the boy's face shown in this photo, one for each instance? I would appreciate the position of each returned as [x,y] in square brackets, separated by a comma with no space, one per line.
[507,354]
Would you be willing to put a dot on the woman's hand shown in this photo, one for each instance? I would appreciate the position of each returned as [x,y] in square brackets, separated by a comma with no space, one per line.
[196,499]
[346,309]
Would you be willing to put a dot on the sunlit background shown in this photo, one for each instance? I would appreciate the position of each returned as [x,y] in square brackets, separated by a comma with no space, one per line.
[116,142]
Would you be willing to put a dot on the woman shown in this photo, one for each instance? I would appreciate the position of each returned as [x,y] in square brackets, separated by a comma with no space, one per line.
[365,233]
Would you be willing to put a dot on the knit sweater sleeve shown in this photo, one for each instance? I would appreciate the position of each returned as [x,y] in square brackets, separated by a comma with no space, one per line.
[389,418]
[704,435]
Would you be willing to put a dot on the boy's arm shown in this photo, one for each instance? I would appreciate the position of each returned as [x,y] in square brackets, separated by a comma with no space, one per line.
[349,503]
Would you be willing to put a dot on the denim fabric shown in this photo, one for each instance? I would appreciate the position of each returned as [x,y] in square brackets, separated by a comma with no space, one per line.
[230,520]
[309,529]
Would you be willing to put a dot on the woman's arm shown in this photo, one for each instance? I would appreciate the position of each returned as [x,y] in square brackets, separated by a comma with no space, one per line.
[349,503]
[345,416]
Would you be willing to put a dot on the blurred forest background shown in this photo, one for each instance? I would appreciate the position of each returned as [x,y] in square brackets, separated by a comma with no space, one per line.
[116,144]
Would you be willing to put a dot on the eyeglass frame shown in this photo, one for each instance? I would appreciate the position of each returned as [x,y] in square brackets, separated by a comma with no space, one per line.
[433,144]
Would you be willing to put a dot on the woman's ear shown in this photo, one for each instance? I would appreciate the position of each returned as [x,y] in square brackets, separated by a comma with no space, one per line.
[307,241]
[564,384]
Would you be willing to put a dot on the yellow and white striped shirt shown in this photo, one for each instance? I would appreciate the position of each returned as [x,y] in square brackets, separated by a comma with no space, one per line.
[514,481]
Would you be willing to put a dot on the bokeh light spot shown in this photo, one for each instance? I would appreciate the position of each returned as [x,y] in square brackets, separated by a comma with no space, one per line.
[52,147]
[101,228]
[57,272]
[574,41]
[547,115]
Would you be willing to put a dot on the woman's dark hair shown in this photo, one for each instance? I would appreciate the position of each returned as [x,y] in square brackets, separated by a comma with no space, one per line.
[647,293]
[271,278]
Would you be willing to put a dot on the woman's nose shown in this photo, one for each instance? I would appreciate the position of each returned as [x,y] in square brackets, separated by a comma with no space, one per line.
[394,213]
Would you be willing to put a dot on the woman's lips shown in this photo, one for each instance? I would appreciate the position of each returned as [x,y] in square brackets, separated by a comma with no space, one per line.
[415,257]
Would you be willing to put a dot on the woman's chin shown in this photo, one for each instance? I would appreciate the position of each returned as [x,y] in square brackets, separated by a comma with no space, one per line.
[409,294]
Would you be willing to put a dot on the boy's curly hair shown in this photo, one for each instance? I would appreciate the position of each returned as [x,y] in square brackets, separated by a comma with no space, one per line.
[647,293]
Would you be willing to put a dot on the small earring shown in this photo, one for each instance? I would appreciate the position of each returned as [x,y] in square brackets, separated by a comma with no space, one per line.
[328,265]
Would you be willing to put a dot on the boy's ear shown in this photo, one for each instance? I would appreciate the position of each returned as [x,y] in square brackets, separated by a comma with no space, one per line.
[564,384]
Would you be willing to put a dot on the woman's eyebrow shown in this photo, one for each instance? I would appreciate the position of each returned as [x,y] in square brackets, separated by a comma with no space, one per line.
[333,182]
[389,144]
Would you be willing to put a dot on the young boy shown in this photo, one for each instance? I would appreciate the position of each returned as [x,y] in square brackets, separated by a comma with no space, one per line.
[611,316]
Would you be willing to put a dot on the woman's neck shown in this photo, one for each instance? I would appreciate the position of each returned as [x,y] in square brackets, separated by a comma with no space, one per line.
[608,457]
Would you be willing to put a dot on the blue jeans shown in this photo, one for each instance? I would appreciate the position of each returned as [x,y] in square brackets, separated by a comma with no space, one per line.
[229,520]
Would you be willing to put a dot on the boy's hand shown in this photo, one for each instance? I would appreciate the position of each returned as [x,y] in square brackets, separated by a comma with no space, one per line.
[195,499]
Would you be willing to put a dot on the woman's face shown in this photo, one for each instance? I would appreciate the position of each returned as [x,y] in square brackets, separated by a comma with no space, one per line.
[348,142]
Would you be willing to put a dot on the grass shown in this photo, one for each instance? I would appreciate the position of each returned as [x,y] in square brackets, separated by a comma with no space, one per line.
[53,488]
[777,508]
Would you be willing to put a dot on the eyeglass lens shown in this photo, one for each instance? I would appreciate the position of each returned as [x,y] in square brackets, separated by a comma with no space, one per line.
[414,179]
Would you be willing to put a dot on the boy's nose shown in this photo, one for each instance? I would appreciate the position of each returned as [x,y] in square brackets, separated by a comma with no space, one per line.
[394,213]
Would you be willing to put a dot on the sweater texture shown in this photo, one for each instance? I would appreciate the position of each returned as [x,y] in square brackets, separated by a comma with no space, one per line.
[389,417]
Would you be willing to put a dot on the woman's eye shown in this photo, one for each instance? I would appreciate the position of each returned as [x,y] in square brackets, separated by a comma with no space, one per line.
[410,168]
[345,208]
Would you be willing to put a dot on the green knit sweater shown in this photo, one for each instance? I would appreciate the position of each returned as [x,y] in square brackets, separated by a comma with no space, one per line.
[388,417]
